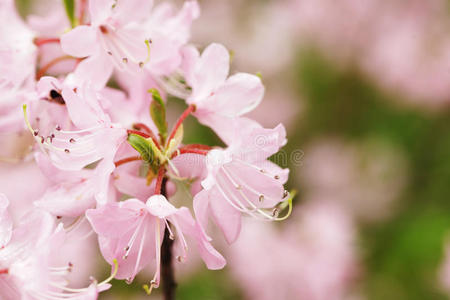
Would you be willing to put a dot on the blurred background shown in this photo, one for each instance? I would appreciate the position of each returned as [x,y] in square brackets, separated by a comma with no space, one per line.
[363,88]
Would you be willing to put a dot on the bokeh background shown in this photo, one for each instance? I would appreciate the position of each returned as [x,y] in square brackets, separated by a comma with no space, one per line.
[363,87]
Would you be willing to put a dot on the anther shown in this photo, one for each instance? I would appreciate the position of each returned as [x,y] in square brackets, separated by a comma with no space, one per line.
[67,150]
[103,29]
[72,140]
[275,212]
[261,198]
[42,139]
[262,171]
[125,60]
[276,177]
[238,187]
[109,53]
[141,64]
[285,193]
[179,258]
[58,128]
[36,132]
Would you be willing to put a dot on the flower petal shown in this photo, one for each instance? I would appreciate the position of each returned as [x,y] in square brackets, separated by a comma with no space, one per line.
[240,94]
[95,70]
[80,41]
[211,71]
[225,216]
[212,258]
[158,206]
[115,219]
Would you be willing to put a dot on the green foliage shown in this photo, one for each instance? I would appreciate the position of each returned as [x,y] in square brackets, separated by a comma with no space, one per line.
[145,147]
[158,113]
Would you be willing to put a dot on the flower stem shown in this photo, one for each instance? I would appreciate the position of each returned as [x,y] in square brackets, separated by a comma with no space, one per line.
[145,135]
[42,41]
[167,272]
[184,115]
[41,72]
[126,160]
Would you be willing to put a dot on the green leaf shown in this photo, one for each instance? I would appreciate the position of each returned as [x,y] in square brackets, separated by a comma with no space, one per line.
[146,148]
[158,114]
[70,11]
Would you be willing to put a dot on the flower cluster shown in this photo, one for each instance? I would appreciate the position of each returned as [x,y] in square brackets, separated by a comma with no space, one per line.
[101,138]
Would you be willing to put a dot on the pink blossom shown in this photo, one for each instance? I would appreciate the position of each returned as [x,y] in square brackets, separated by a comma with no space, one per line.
[120,35]
[241,180]
[132,232]
[26,263]
[218,99]
[91,137]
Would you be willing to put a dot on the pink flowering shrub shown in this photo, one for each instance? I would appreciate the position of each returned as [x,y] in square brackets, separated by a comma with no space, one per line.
[107,157]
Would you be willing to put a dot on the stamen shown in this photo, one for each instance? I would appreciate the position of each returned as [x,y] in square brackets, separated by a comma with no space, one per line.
[138,259]
[171,235]
[155,281]
[133,238]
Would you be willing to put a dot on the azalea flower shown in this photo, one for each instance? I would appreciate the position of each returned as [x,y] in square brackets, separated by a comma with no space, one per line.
[132,232]
[219,100]
[241,180]
[120,36]
[26,267]
[93,136]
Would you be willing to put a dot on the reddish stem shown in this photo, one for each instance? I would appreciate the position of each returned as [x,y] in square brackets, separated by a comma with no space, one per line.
[41,72]
[195,151]
[159,180]
[145,135]
[187,112]
[3,271]
[146,129]
[197,146]
[126,160]
[189,150]
[42,41]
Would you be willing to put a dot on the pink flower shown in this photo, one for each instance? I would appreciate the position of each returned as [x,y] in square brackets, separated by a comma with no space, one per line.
[219,100]
[90,135]
[73,192]
[132,232]
[120,35]
[241,180]
[26,263]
